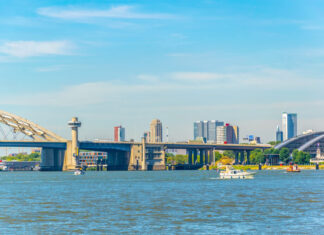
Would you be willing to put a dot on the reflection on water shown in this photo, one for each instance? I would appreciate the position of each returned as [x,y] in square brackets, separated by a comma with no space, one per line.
[161,202]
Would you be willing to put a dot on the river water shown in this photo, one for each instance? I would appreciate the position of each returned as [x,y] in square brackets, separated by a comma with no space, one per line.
[181,202]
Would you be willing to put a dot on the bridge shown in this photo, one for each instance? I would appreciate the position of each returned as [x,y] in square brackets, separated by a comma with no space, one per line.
[59,154]
[306,142]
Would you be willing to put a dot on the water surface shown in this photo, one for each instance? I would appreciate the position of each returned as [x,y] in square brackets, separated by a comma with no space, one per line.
[179,202]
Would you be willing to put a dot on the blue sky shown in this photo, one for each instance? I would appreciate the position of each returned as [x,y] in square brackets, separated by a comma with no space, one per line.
[127,62]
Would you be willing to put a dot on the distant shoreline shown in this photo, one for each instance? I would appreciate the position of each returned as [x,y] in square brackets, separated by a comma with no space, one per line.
[256,167]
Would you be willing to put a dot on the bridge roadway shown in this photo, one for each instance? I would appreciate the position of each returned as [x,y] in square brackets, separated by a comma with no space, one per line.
[125,155]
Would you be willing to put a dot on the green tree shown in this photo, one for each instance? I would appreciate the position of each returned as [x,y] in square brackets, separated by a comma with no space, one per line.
[271,151]
[217,156]
[23,157]
[300,157]
[295,154]
[284,155]
[274,143]
[257,156]
[229,153]
[177,159]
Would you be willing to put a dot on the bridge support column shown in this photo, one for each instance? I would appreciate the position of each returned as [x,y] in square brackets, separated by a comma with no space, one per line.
[241,157]
[144,166]
[201,156]
[190,153]
[236,158]
[69,160]
[208,157]
[52,159]
[248,157]
[163,158]
[211,157]
[195,156]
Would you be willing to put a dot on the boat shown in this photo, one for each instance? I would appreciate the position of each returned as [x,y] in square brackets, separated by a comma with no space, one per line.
[231,173]
[3,167]
[79,172]
[293,168]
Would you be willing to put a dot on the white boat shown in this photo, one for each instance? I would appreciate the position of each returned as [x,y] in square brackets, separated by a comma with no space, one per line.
[3,167]
[232,173]
[79,172]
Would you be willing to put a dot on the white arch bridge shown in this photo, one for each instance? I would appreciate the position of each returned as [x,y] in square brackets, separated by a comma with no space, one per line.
[57,152]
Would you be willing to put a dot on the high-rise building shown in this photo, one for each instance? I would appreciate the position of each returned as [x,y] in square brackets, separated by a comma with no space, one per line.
[289,125]
[119,133]
[147,136]
[227,134]
[156,131]
[279,135]
[206,130]
[212,130]
[236,138]
[198,129]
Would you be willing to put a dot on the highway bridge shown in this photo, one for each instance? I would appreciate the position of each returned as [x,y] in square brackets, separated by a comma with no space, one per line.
[60,154]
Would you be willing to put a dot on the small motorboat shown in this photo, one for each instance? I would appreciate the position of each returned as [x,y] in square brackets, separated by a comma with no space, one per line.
[293,168]
[231,173]
[79,172]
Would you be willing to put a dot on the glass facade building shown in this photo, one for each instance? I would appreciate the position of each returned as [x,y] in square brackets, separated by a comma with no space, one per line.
[289,125]
[207,130]
[279,135]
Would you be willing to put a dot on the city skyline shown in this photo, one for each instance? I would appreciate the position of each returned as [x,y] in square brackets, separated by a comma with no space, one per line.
[122,62]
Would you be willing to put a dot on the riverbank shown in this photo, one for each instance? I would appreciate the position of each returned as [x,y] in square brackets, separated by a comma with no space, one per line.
[264,167]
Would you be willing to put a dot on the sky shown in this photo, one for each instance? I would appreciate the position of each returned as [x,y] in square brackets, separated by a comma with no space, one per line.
[127,62]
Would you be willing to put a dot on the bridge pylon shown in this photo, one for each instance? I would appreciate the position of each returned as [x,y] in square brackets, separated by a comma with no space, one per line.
[72,147]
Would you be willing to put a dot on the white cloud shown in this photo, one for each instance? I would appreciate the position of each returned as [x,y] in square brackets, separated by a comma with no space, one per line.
[312,27]
[49,68]
[148,78]
[35,48]
[197,76]
[118,12]
[252,85]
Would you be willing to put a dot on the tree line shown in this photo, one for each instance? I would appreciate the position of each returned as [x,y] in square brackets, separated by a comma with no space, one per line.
[23,157]
[257,156]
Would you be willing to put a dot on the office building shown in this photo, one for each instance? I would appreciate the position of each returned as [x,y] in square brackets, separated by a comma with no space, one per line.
[198,129]
[227,134]
[289,125]
[206,130]
[119,133]
[91,158]
[236,139]
[212,130]
[147,136]
[156,131]
[253,139]
[279,135]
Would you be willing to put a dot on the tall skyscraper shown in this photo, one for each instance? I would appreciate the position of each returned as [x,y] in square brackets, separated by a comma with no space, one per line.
[207,130]
[289,125]
[279,135]
[198,129]
[236,139]
[156,131]
[227,134]
[212,130]
[119,133]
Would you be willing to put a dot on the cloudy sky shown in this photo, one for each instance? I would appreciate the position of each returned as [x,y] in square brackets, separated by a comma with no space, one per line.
[129,61]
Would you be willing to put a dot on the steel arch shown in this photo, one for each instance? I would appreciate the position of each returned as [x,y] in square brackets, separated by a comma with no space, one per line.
[28,128]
